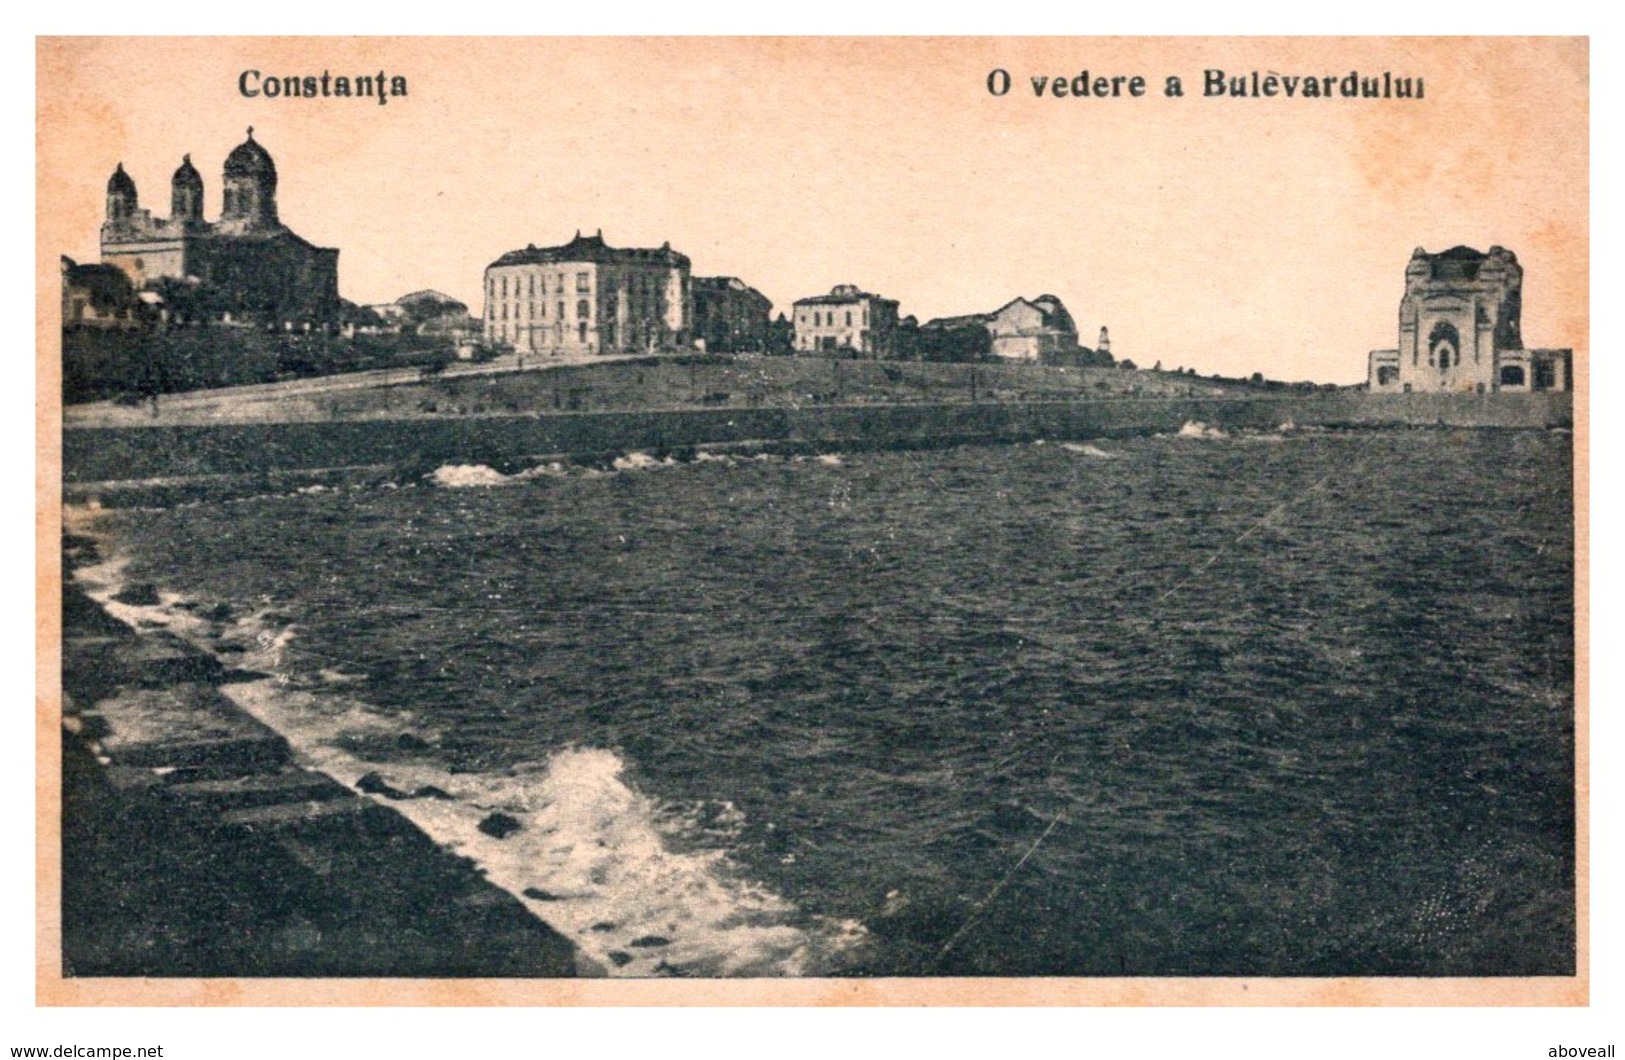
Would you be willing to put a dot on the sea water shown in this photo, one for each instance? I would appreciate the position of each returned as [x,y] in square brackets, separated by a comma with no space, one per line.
[1184,705]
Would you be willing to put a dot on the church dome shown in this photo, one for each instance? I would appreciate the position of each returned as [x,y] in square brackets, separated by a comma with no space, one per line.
[249,159]
[120,183]
[187,175]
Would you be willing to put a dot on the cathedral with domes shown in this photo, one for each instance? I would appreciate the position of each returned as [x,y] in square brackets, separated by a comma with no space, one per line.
[245,267]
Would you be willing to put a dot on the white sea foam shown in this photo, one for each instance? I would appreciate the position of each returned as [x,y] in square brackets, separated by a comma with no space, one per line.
[458,476]
[636,461]
[551,469]
[1198,429]
[593,857]
[640,887]
[1088,450]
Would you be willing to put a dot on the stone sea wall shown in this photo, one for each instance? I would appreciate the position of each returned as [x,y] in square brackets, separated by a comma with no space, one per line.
[194,845]
[134,453]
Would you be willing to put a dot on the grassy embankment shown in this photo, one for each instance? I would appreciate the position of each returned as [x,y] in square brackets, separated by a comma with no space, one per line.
[743,382]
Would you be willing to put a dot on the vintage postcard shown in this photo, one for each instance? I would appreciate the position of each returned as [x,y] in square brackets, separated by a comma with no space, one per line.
[812,521]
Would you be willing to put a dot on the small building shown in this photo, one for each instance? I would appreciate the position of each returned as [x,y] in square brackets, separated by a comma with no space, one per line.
[730,316]
[848,318]
[1031,331]
[428,305]
[1039,329]
[585,296]
[433,313]
[97,296]
[247,266]
[390,313]
[1459,330]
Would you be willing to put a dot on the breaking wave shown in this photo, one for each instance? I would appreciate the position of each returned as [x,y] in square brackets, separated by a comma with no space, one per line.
[620,875]
[1198,429]
[463,476]
[1088,450]
[637,461]
[457,476]
[642,888]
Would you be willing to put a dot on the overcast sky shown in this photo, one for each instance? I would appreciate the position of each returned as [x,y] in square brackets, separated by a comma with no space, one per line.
[1230,235]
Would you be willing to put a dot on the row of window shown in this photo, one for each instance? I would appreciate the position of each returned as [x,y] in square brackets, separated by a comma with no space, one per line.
[826,319]
[238,200]
[501,311]
[641,299]
[583,310]
[493,284]
[498,286]
[1511,375]
[553,333]
[858,341]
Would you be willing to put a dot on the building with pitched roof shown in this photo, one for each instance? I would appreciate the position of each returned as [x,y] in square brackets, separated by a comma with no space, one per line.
[1019,330]
[586,296]
[97,296]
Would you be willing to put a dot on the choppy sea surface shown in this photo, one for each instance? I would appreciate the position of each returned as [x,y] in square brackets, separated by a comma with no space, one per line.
[1267,704]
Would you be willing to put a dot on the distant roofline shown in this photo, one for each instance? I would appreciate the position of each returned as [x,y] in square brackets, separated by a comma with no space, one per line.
[428,292]
[838,299]
[206,230]
[964,320]
[987,318]
[591,250]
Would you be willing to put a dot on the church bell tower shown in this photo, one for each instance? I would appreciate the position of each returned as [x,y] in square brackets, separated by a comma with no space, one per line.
[250,186]
[121,197]
[186,193]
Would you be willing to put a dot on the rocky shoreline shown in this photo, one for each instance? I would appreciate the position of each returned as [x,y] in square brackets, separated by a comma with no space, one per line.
[194,845]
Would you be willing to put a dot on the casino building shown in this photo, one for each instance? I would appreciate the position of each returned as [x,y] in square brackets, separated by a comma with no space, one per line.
[1459,330]
[586,296]
[247,266]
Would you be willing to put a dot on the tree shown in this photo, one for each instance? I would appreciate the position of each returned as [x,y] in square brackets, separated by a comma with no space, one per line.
[962,345]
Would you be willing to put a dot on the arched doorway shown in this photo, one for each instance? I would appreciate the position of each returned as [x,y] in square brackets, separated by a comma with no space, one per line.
[1444,345]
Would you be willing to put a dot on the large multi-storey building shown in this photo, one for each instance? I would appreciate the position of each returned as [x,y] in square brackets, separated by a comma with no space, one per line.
[848,318]
[588,297]
[247,265]
[1459,329]
[730,316]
